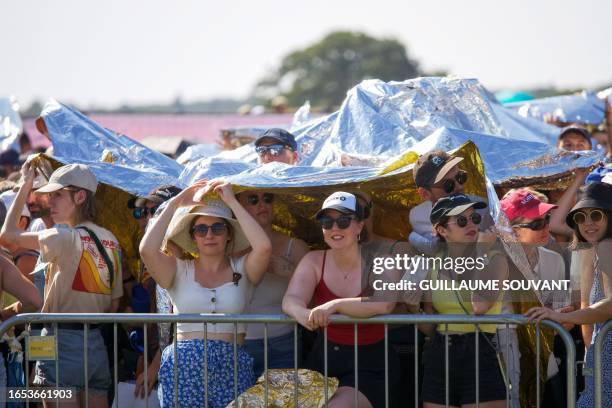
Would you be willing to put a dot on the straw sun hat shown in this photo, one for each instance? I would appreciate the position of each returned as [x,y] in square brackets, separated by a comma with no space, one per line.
[178,230]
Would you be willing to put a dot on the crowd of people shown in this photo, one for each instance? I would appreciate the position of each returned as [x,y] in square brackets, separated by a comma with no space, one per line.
[210,249]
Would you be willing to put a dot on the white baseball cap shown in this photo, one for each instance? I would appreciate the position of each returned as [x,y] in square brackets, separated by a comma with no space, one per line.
[7,199]
[340,201]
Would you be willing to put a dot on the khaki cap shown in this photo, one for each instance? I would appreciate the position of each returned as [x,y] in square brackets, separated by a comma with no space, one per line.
[76,175]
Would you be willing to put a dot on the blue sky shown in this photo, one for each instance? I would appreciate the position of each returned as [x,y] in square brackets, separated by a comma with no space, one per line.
[135,51]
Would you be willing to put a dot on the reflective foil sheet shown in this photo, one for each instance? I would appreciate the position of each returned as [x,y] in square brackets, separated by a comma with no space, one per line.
[122,166]
[586,108]
[281,390]
[10,124]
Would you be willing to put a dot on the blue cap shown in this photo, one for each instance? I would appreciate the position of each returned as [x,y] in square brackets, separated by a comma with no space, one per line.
[284,137]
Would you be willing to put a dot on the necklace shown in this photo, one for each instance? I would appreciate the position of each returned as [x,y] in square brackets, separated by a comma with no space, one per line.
[346,276]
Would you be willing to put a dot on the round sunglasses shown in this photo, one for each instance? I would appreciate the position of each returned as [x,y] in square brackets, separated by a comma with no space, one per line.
[448,185]
[267,198]
[342,222]
[462,220]
[580,217]
[201,230]
[143,212]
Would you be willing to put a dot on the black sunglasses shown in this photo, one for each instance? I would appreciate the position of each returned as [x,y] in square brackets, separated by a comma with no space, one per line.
[143,212]
[448,185]
[462,220]
[342,222]
[274,150]
[201,230]
[595,216]
[535,225]
[267,198]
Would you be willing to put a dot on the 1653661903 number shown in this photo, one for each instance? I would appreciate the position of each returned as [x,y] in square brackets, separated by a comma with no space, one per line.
[39,394]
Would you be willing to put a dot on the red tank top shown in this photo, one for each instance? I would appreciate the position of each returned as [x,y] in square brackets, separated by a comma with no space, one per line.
[345,333]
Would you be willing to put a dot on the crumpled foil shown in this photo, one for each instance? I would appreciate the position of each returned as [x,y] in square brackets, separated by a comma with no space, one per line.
[586,108]
[10,124]
[281,390]
[379,122]
[123,167]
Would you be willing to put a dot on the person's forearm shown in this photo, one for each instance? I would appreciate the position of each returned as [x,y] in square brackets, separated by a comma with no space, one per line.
[596,313]
[257,237]
[154,235]
[362,307]
[609,127]
[292,305]
[10,229]
[565,203]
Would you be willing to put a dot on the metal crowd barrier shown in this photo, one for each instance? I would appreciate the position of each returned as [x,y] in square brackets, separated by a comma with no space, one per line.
[597,350]
[52,319]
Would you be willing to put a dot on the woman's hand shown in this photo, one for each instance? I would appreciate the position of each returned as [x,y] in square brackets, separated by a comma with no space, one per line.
[319,316]
[152,371]
[302,318]
[186,197]
[225,191]
[540,313]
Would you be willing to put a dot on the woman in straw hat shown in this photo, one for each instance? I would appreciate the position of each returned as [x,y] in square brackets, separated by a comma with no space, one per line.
[214,282]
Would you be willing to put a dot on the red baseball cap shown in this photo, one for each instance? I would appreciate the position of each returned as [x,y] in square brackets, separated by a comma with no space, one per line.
[522,203]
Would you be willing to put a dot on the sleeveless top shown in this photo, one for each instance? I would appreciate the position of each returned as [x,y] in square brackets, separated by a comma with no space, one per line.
[345,333]
[454,302]
[267,298]
[587,397]
[188,296]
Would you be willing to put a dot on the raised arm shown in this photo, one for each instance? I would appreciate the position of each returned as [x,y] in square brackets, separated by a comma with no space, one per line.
[160,266]
[11,232]
[565,203]
[609,127]
[258,259]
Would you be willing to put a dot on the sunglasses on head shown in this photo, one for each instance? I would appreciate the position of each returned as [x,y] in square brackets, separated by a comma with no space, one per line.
[535,225]
[462,220]
[274,150]
[267,198]
[201,230]
[143,212]
[342,222]
[580,217]
[448,185]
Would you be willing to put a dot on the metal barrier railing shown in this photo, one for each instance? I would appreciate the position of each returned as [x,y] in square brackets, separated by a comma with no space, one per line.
[53,319]
[597,356]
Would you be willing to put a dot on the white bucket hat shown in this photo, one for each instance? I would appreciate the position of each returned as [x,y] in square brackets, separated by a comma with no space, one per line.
[178,230]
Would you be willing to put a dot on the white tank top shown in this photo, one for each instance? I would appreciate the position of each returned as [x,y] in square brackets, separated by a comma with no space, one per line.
[188,296]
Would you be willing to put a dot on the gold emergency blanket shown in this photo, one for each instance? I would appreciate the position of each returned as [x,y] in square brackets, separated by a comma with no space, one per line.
[281,390]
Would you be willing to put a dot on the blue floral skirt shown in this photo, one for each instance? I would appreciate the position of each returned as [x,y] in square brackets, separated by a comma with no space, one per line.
[190,368]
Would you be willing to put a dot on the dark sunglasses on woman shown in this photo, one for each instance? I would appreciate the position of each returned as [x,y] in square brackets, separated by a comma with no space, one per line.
[267,198]
[535,225]
[595,216]
[448,185]
[462,220]
[342,222]
[201,230]
[143,212]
